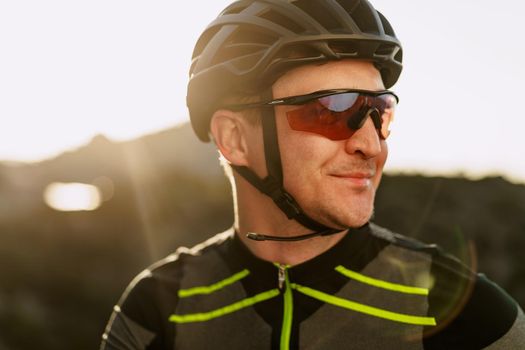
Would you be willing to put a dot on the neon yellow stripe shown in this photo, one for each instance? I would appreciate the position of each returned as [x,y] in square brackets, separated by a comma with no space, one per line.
[206,316]
[379,283]
[287,316]
[184,293]
[369,310]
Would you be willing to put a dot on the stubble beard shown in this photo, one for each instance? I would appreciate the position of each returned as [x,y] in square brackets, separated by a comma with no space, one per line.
[347,215]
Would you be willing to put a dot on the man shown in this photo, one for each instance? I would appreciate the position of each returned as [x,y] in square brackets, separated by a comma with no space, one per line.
[293,93]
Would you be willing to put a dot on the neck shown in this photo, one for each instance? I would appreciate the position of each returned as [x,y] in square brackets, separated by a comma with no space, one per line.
[257,213]
[289,253]
[270,220]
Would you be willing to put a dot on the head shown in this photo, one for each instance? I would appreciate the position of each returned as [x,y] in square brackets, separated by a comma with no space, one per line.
[275,49]
[334,181]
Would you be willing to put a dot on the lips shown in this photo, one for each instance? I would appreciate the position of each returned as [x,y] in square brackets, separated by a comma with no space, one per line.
[358,179]
[355,175]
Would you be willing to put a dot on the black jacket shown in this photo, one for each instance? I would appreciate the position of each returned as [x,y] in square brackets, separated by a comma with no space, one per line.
[373,290]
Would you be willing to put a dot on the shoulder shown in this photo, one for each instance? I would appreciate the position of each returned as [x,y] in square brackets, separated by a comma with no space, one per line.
[161,281]
[150,298]
[471,311]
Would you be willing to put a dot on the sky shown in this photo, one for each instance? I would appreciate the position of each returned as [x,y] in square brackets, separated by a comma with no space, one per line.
[70,70]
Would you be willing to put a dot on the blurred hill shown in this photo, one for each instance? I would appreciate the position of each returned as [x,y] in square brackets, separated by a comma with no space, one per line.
[63,271]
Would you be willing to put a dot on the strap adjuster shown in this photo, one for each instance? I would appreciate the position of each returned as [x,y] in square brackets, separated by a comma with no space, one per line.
[286,203]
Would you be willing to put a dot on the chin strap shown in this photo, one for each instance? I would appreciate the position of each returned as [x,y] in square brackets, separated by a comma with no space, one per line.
[259,237]
[281,198]
[272,185]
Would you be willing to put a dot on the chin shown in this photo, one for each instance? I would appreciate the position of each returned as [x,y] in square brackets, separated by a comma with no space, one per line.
[357,213]
[350,217]
[358,221]
[353,211]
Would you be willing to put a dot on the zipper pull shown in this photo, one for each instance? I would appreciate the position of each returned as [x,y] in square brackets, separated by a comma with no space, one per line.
[281,276]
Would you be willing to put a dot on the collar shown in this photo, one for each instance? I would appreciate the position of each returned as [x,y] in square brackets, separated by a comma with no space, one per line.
[355,250]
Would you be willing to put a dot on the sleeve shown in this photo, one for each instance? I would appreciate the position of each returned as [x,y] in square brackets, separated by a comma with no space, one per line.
[473,312]
[514,338]
[140,321]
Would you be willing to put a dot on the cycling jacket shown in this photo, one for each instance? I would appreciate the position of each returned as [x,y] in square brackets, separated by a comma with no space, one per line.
[373,290]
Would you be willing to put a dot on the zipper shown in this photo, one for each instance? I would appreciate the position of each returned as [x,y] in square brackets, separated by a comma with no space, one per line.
[281,276]
[285,287]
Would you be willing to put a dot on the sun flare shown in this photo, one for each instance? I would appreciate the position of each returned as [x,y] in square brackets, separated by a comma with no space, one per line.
[72,196]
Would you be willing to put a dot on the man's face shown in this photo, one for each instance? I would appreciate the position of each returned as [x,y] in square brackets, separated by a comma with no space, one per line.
[333,181]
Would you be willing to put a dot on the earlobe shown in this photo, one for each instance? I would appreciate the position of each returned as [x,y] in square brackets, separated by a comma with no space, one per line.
[229,136]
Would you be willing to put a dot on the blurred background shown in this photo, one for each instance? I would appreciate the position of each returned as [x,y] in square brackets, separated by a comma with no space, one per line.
[100,174]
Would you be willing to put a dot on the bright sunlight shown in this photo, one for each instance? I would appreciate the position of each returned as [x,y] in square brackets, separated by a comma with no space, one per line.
[72,196]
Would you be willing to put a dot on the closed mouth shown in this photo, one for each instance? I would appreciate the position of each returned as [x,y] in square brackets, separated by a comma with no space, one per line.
[354,175]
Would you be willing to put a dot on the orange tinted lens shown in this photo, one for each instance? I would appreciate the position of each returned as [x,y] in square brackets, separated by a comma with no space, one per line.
[316,118]
[333,116]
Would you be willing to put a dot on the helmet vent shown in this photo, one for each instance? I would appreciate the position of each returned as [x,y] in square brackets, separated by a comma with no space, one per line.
[362,13]
[244,43]
[343,46]
[276,17]
[317,11]
[297,52]
[399,56]
[250,36]
[385,49]
[245,63]
[204,40]
[386,26]
[239,53]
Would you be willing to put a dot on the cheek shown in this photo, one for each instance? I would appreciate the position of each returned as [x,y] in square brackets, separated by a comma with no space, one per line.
[301,154]
[296,156]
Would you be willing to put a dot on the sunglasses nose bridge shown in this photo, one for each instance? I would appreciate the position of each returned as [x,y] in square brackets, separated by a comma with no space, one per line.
[362,115]
[375,114]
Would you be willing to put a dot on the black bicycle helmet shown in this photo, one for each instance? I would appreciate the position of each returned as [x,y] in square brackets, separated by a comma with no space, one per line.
[253,42]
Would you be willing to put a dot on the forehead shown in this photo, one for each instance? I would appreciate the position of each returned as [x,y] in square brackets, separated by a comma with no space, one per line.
[351,74]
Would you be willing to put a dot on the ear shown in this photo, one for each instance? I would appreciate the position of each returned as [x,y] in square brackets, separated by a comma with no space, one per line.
[229,134]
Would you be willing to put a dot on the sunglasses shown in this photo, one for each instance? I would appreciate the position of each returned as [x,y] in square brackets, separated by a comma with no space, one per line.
[336,114]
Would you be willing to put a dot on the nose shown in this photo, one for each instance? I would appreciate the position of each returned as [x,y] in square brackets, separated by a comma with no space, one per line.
[365,140]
